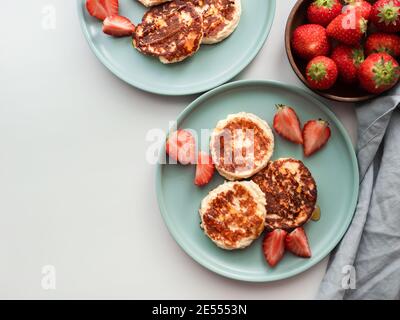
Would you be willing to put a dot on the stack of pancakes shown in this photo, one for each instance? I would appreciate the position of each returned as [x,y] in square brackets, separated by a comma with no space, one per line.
[279,194]
[173,30]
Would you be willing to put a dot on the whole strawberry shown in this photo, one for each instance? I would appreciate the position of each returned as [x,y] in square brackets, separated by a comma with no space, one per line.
[309,41]
[348,28]
[364,7]
[321,73]
[383,42]
[386,15]
[378,73]
[348,60]
[323,11]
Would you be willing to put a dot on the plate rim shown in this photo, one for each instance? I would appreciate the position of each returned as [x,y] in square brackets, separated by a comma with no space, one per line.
[179,92]
[307,265]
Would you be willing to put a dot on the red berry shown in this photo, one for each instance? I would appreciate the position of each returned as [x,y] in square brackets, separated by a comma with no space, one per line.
[297,243]
[364,7]
[379,73]
[204,169]
[181,147]
[309,41]
[323,11]
[274,246]
[348,60]
[287,124]
[383,42]
[348,28]
[101,9]
[316,134]
[118,26]
[385,15]
[321,73]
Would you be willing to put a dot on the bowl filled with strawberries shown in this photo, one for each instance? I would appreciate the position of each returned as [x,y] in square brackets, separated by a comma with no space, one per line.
[345,50]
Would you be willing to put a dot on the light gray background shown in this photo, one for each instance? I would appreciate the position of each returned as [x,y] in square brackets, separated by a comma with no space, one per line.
[76,191]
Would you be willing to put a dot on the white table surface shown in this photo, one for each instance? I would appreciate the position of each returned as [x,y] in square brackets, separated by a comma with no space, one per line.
[76,190]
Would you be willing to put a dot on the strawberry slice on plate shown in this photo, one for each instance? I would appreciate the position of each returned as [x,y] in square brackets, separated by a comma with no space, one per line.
[181,147]
[274,246]
[287,124]
[316,134]
[118,26]
[297,243]
[204,169]
[101,9]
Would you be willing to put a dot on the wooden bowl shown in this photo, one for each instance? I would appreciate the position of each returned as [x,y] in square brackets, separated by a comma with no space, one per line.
[340,91]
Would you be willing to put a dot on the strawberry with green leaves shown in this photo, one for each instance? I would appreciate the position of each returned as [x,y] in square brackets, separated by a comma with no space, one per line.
[383,42]
[323,11]
[386,15]
[321,73]
[309,41]
[348,28]
[348,60]
[379,73]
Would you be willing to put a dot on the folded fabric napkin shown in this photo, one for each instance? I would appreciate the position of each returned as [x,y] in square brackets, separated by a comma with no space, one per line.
[369,254]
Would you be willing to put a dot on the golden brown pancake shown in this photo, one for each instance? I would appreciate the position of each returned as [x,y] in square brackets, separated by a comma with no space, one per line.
[233,214]
[290,193]
[241,145]
[172,31]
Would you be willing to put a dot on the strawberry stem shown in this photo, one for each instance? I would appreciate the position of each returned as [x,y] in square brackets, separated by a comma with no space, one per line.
[384,73]
[358,56]
[323,122]
[317,71]
[363,25]
[324,3]
[389,13]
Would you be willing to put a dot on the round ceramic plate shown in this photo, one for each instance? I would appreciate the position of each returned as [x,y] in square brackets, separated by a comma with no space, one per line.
[334,169]
[210,67]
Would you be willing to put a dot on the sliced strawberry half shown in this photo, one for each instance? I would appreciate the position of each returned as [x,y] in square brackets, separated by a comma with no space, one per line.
[316,134]
[287,124]
[204,169]
[181,147]
[118,26]
[101,9]
[297,243]
[274,246]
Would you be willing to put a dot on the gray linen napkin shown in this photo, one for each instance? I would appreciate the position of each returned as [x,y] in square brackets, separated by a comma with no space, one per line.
[370,250]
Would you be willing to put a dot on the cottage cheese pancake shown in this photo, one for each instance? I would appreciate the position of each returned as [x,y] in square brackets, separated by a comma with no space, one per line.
[241,145]
[221,17]
[233,214]
[172,31]
[290,193]
[150,3]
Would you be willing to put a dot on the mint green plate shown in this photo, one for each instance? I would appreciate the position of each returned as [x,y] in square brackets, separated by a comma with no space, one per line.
[210,67]
[334,169]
